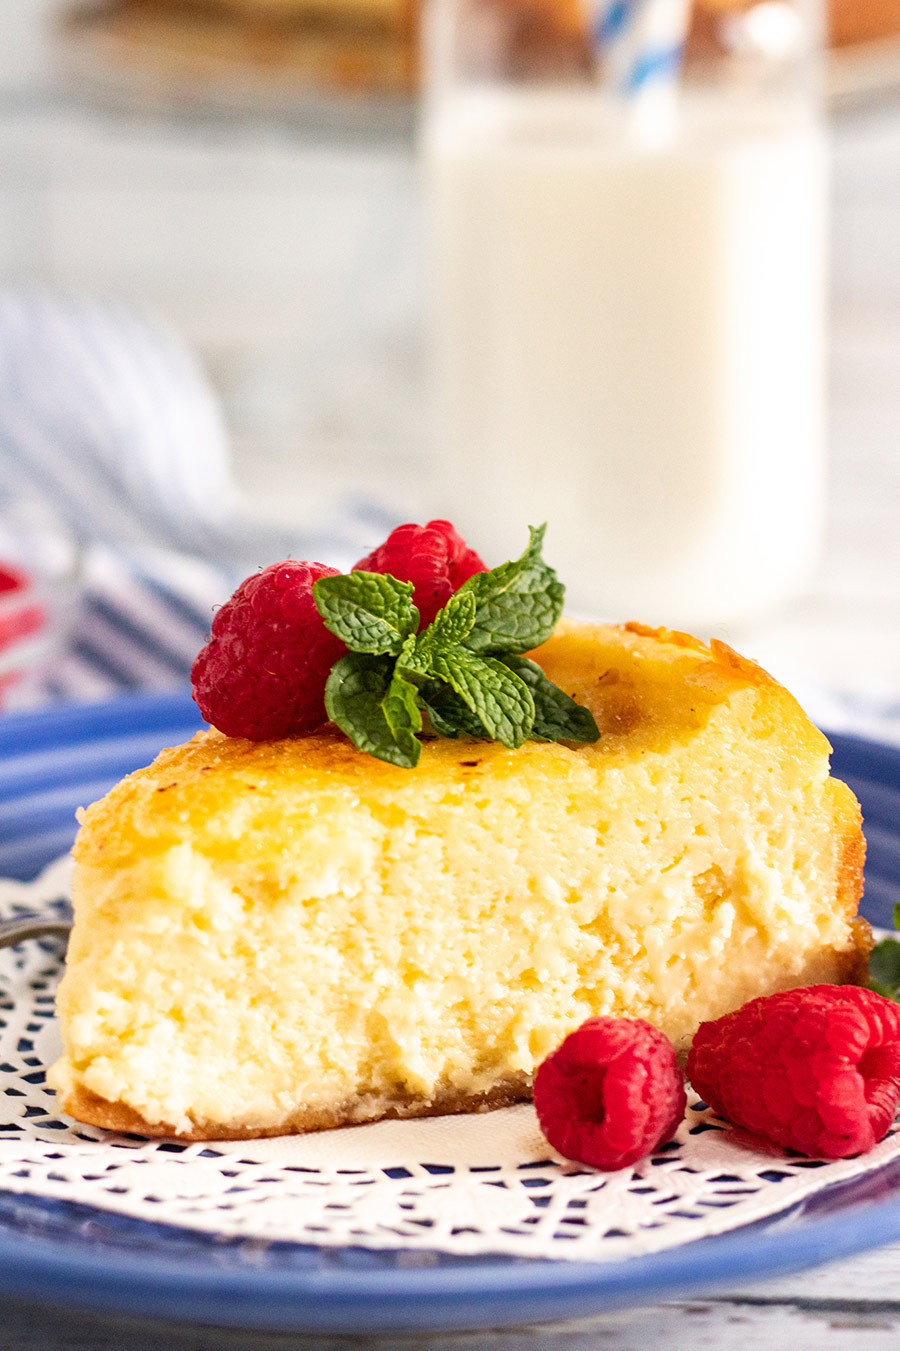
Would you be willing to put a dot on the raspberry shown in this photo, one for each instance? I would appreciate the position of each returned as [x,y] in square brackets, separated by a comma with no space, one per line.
[263,672]
[611,1093]
[434,557]
[815,1069]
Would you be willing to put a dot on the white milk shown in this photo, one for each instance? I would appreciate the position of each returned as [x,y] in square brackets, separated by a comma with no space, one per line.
[630,346]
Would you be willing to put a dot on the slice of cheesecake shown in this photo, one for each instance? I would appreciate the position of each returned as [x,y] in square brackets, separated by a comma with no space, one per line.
[288,935]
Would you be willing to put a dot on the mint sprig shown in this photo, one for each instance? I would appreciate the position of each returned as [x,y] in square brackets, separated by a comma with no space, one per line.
[884,965]
[463,671]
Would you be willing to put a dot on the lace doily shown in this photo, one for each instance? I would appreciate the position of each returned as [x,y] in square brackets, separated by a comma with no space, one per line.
[467,1185]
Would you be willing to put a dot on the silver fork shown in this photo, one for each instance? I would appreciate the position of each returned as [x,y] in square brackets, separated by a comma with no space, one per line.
[16,930]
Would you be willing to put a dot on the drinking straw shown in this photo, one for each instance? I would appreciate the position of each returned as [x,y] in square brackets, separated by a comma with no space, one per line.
[640,44]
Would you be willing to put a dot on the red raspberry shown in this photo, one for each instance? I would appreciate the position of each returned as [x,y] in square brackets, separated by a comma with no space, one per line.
[611,1093]
[263,672]
[434,557]
[815,1069]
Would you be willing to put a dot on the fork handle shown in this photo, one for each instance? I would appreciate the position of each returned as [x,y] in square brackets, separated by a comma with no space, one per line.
[16,930]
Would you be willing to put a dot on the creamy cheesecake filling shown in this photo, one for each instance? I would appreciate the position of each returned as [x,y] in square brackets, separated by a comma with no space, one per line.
[276,935]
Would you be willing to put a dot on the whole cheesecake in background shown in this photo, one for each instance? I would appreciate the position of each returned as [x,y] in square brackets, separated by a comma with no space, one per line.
[287,935]
[858,21]
[361,45]
[329,45]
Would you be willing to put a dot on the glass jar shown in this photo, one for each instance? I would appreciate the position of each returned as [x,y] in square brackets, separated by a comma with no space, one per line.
[629,297]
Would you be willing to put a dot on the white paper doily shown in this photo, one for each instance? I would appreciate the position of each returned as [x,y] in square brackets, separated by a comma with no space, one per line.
[466,1185]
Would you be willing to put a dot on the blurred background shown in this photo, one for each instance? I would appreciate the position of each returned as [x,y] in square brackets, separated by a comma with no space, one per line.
[245,178]
[166,155]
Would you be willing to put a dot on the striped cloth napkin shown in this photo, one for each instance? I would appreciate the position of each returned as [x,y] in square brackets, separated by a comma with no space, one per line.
[108,420]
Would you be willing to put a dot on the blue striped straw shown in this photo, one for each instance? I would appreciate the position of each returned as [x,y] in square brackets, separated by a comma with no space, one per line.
[640,45]
[611,21]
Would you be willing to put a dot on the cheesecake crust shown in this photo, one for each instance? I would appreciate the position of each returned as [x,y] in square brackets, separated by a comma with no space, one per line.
[80,1103]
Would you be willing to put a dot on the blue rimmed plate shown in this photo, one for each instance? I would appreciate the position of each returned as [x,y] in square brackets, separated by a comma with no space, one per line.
[53,761]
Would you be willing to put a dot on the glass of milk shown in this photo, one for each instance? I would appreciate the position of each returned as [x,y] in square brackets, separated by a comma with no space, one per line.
[629,304]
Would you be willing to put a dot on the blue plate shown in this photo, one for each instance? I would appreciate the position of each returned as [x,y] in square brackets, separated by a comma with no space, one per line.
[52,762]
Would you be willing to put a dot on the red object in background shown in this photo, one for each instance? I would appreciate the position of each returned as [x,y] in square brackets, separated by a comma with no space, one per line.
[16,621]
[11,579]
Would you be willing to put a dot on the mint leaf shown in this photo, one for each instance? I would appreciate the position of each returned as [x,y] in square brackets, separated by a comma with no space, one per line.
[401,707]
[884,968]
[413,661]
[557,717]
[498,698]
[518,604]
[884,964]
[370,611]
[355,694]
[448,714]
[445,632]
[450,626]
